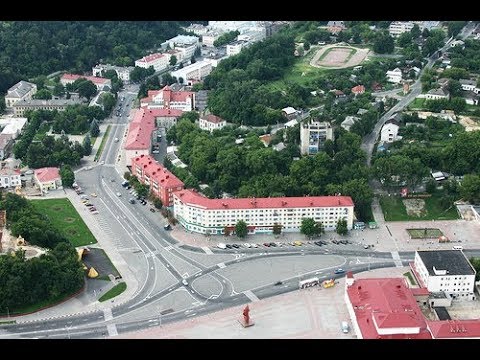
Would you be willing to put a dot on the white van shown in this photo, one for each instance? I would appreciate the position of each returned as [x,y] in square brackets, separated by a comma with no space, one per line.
[457,247]
[345,327]
[221,246]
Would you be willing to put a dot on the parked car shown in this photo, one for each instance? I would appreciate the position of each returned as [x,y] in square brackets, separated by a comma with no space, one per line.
[339,271]
[152,210]
[221,246]
[247,245]
[167,227]
[236,246]
[228,246]
[266,244]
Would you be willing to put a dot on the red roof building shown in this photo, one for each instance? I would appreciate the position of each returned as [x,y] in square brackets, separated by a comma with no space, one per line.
[161,181]
[47,178]
[168,99]
[359,89]
[211,122]
[200,214]
[455,329]
[384,308]
[98,81]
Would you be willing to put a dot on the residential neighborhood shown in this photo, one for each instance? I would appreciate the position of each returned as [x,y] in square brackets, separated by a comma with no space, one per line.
[163,178]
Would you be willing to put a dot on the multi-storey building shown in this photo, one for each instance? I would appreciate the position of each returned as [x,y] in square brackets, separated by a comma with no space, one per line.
[211,122]
[194,72]
[235,47]
[158,61]
[161,181]
[313,135]
[20,107]
[123,73]
[199,214]
[397,28]
[22,90]
[166,98]
[447,271]
[186,44]
[9,178]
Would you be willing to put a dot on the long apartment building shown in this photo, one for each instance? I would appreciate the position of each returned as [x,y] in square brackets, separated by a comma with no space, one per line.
[161,181]
[166,98]
[158,61]
[199,214]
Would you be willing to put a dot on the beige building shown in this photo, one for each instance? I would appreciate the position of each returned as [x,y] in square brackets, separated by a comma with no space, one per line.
[47,178]
[36,104]
[211,122]
[22,90]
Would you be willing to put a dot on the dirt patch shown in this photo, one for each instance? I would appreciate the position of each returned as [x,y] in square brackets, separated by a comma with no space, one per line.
[71,231]
[338,57]
[415,207]
[69,220]
[57,208]
[468,123]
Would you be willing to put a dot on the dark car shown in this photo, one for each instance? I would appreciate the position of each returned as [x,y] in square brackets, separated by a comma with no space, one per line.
[167,227]
[266,244]
[152,209]
[272,244]
[318,243]
[228,246]
[236,246]
[339,271]
[278,283]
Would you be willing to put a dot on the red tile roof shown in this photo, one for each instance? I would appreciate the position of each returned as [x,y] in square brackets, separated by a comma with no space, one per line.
[194,198]
[167,95]
[359,89]
[47,174]
[142,125]
[455,329]
[94,79]
[213,118]
[155,171]
[383,305]
[151,58]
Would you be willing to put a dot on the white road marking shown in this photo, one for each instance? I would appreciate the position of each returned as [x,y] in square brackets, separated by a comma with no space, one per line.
[221,265]
[168,248]
[207,250]
[396,259]
[107,313]
[251,295]
[112,330]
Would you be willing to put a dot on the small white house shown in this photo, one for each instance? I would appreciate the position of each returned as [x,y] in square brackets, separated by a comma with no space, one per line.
[9,178]
[394,76]
[211,122]
[348,122]
[389,131]
[437,94]
[47,178]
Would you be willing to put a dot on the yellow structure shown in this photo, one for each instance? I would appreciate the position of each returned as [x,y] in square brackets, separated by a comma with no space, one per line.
[328,283]
[92,273]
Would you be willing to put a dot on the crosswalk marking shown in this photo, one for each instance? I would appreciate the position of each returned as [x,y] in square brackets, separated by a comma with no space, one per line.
[396,259]
[107,313]
[251,295]
[207,250]
[221,265]
[112,330]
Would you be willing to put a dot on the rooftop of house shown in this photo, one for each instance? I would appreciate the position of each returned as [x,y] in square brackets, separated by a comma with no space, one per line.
[438,91]
[151,57]
[51,102]
[47,174]
[155,171]
[94,79]
[453,261]
[20,89]
[213,119]
[455,329]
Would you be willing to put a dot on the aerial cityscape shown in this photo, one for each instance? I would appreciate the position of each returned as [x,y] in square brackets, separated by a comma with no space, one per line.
[239,179]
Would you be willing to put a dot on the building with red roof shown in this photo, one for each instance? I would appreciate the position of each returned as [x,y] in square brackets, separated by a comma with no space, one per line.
[144,122]
[158,61]
[359,89]
[47,178]
[99,82]
[166,98]
[211,122]
[455,329]
[161,181]
[203,215]
[384,308]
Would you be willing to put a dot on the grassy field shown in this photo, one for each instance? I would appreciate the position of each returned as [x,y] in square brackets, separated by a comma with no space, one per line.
[424,233]
[394,209]
[66,219]
[102,144]
[115,291]
[417,104]
[408,274]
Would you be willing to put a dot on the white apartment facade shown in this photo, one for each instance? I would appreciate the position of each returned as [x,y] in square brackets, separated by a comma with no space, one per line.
[123,73]
[186,44]
[389,133]
[447,271]
[211,122]
[209,38]
[157,60]
[313,135]
[397,28]
[199,214]
[195,72]
[235,47]
[9,178]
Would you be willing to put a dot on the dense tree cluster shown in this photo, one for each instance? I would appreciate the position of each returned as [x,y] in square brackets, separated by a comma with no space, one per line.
[47,278]
[77,119]
[237,92]
[468,58]
[226,38]
[31,48]
[251,169]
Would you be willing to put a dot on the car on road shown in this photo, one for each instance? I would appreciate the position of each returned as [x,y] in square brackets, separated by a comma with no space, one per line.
[278,283]
[185,282]
[247,245]
[297,243]
[221,246]
[266,244]
[167,227]
[93,194]
[152,210]
[272,244]
[131,201]
[93,208]
[278,243]
[236,246]
[254,246]
[318,243]
[118,194]
[229,246]
[339,271]
[116,139]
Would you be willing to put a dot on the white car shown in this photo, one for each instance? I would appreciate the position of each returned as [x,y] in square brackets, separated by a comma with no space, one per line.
[221,246]
[247,245]
[118,194]
[254,246]
[279,244]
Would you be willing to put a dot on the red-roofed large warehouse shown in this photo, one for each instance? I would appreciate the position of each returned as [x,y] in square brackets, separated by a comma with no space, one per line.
[202,215]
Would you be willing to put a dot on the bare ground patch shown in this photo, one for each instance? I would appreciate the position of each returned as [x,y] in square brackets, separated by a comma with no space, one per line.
[468,123]
[338,57]
[415,207]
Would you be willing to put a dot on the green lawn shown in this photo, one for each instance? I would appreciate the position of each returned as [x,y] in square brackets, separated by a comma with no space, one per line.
[102,144]
[116,290]
[394,209]
[408,274]
[424,233]
[417,104]
[66,219]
